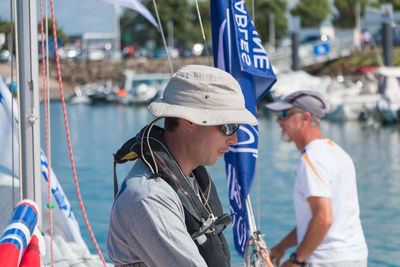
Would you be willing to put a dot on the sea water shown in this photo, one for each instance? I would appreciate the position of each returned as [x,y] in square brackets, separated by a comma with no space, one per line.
[98,131]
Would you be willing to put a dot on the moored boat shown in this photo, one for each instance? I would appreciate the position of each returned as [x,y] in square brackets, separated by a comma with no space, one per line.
[142,88]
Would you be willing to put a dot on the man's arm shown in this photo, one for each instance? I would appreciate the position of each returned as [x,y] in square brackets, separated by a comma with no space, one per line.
[278,251]
[318,227]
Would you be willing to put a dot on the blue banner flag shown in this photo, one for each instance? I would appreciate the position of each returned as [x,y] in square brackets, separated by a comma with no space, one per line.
[238,50]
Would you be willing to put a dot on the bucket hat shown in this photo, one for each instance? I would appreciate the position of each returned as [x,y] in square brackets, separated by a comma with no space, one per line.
[311,101]
[203,95]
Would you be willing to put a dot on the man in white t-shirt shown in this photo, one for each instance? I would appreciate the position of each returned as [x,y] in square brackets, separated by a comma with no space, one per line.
[328,230]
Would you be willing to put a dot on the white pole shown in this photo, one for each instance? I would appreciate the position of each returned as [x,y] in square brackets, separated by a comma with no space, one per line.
[252,222]
[358,25]
[272,32]
[170,26]
[117,30]
[29,109]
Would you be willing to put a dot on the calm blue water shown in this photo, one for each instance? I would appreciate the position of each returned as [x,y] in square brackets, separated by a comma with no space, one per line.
[98,131]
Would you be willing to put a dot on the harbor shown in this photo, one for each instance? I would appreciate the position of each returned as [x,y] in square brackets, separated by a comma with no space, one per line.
[69,100]
[373,146]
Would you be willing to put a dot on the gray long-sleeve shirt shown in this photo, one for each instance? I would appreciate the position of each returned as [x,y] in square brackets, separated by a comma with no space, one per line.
[147,224]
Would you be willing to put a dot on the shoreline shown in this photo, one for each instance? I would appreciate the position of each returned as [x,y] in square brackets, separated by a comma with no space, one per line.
[80,73]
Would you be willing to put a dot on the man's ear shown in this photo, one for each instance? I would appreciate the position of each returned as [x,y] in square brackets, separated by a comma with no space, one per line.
[307,116]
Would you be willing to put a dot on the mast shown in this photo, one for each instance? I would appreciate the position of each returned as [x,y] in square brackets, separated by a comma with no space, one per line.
[117,44]
[29,106]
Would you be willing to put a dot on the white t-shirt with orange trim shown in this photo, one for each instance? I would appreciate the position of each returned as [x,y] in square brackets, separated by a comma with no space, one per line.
[326,170]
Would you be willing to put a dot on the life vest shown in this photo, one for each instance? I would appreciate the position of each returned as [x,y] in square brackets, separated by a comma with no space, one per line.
[211,244]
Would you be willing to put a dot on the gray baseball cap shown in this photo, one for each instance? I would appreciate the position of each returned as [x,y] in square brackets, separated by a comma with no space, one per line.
[310,101]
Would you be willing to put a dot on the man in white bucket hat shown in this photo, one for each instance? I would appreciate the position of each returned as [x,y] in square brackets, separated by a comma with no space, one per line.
[167,212]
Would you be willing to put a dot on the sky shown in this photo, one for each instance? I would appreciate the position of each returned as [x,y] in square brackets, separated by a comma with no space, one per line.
[75,16]
[79,16]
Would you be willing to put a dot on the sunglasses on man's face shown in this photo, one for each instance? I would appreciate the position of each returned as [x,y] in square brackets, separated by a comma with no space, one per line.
[229,129]
[284,114]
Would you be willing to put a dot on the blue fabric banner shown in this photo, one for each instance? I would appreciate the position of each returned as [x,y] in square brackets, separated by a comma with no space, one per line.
[238,50]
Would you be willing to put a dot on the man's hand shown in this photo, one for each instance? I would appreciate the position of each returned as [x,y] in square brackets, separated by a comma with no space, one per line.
[276,254]
[289,264]
[278,251]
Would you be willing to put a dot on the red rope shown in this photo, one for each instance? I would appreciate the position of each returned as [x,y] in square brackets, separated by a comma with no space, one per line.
[47,134]
[68,137]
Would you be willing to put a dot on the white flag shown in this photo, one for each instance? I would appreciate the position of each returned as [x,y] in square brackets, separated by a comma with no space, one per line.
[64,222]
[64,219]
[6,131]
[135,5]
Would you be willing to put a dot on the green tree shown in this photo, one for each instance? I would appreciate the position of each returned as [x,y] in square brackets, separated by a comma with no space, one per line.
[136,29]
[263,9]
[395,3]
[346,12]
[205,13]
[5,27]
[60,33]
[312,12]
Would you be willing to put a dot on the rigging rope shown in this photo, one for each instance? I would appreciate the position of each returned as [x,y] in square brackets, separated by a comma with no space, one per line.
[202,32]
[163,37]
[253,12]
[68,136]
[46,112]
[257,176]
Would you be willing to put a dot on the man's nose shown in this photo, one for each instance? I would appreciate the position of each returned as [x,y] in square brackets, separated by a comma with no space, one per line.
[232,140]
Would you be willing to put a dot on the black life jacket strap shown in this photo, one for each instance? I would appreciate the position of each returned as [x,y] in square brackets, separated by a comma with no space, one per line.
[115,180]
[168,169]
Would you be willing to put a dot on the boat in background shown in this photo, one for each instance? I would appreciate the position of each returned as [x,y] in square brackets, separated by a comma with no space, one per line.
[143,88]
[139,89]
[377,96]
[94,93]
[79,97]
[350,107]
[387,108]
[291,81]
[347,99]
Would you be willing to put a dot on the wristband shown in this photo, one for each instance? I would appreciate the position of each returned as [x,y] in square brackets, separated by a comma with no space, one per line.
[293,259]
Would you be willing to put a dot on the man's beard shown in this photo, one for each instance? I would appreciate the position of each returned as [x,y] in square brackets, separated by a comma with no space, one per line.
[285,137]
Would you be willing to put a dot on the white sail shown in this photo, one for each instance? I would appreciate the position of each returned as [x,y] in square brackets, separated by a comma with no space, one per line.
[7,137]
[68,246]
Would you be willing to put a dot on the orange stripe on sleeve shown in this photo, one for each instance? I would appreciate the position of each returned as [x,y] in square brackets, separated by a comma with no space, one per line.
[312,168]
[329,142]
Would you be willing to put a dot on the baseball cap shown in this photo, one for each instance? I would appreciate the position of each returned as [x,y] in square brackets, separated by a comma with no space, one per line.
[311,101]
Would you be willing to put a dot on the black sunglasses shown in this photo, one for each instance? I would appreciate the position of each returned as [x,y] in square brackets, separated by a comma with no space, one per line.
[284,114]
[229,129]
